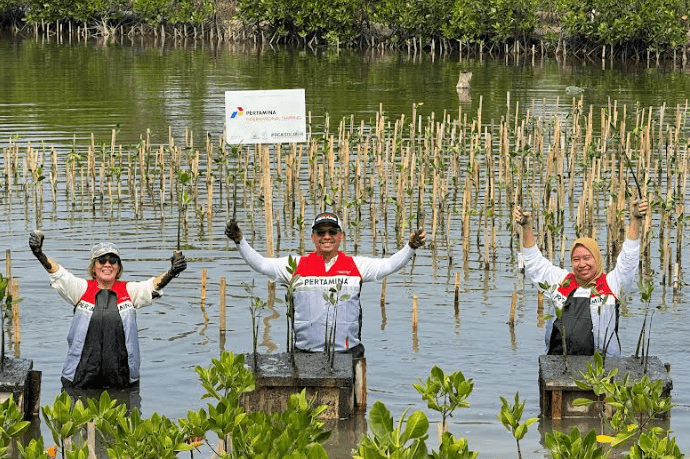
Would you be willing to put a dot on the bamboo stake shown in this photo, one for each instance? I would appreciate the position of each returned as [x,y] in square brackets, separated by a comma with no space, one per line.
[456,301]
[204,276]
[210,179]
[91,439]
[221,307]
[415,303]
[16,334]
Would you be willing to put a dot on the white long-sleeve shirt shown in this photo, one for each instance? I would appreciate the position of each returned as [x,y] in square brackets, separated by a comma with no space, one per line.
[371,269]
[314,318]
[71,288]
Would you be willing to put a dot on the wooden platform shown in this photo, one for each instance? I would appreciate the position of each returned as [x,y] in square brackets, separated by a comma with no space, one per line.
[22,382]
[558,390]
[341,387]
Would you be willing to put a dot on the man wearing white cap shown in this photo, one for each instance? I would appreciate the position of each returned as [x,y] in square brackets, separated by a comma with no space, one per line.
[103,340]
[321,271]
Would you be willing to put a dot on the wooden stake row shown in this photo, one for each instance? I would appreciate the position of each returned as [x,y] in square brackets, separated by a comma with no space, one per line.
[572,168]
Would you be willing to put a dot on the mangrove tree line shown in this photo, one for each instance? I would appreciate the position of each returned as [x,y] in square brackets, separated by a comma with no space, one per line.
[629,28]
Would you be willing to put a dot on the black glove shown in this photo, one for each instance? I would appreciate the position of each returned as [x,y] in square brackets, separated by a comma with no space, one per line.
[233,231]
[36,245]
[36,241]
[178,263]
[417,238]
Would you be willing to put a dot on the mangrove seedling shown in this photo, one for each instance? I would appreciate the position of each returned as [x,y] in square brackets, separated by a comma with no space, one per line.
[567,446]
[12,424]
[646,287]
[34,450]
[609,326]
[64,419]
[106,414]
[183,199]
[635,403]
[387,440]
[156,437]
[445,393]
[650,446]
[453,448]
[290,304]
[255,308]
[550,289]
[332,299]
[6,303]
[295,432]
[510,417]
[225,380]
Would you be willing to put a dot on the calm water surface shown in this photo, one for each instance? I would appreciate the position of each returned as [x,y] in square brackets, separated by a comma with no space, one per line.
[56,94]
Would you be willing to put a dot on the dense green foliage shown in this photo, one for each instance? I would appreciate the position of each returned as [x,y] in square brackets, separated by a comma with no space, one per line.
[647,24]
[343,20]
[640,25]
[152,12]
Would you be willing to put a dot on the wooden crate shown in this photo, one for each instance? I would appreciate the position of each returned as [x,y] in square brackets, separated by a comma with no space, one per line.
[336,387]
[22,382]
[558,390]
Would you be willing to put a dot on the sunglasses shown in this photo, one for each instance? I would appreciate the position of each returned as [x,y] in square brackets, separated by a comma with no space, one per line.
[112,259]
[330,231]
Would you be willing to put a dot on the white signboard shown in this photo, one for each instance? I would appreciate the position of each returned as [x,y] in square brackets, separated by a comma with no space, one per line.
[270,116]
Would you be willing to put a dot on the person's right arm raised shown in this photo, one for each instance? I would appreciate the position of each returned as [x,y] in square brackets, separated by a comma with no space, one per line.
[274,268]
[36,245]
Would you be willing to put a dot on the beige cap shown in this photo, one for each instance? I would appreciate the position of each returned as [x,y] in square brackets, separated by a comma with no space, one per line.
[103,248]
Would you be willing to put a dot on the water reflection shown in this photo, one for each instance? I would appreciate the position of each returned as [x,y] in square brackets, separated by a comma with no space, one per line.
[345,434]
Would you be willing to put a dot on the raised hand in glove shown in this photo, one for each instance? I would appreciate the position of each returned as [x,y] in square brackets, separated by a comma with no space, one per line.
[36,245]
[178,263]
[233,231]
[417,238]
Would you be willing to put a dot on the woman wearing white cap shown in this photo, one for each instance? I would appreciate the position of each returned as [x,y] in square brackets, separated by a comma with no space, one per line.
[319,272]
[103,339]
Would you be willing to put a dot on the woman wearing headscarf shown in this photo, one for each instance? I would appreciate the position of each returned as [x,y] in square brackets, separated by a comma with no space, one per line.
[587,297]
[103,340]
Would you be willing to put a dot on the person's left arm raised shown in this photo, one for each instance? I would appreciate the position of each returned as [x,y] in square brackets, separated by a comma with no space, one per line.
[628,260]
[378,268]
[638,212]
[178,263]
[417,239]
[143,293]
